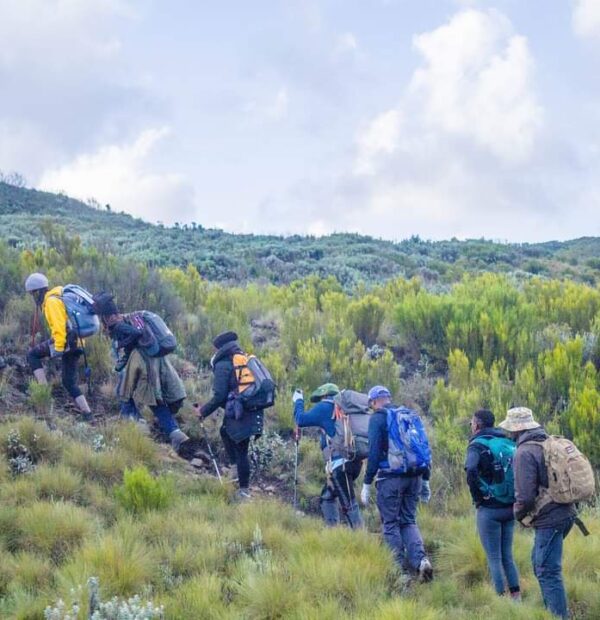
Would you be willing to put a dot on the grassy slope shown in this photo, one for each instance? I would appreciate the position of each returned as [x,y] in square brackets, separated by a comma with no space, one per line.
[203,556]
[222,256]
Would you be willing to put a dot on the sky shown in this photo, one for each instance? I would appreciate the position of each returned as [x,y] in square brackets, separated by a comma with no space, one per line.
[437,118]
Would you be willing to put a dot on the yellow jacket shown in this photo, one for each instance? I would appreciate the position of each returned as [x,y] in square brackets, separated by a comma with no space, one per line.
[56,317]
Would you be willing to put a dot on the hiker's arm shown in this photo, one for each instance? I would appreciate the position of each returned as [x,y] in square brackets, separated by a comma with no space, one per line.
[376,440]
[220,390]
[526,483]
[472,469]
[312,417]
[56,317]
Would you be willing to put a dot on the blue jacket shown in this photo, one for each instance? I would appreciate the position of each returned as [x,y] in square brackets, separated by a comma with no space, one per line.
[320,416]
[378,450]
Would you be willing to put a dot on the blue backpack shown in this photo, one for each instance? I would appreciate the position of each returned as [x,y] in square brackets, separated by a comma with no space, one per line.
[408,445]
[502,484]
[79,305]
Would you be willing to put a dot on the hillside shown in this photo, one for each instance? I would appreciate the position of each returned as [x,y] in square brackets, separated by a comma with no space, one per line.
[221,256]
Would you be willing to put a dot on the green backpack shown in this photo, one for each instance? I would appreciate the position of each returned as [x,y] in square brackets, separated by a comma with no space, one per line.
[502,486]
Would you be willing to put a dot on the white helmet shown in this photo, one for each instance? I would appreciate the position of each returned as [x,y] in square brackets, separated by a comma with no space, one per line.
[35,282]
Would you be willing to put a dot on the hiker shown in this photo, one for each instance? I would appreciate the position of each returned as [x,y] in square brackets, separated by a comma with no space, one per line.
[238,426]
[402,478]
[551,521]
[489,467]
[341,472]
[64,342]
[144,380]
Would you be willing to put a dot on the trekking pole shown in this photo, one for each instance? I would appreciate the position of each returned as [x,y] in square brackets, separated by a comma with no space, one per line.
[211,453]
[296,450]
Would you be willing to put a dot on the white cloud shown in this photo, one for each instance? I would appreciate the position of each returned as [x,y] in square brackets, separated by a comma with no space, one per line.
[380,136]
[476,83]
[278,109]
[346,43]
[586,18]
[122,176]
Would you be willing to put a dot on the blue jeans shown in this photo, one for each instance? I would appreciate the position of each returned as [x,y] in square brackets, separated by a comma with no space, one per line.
[166,420]
[546,558]
[496,527]
[397,500]
[129,410]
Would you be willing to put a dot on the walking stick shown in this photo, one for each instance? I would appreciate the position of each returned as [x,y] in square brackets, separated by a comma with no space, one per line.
[211,453]
[296,451]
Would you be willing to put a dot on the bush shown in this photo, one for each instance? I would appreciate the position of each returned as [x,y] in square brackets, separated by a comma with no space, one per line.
[40,397]
[140,492]
[53,529]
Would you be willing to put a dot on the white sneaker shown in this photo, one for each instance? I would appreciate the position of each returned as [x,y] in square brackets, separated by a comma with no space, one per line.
[425,570]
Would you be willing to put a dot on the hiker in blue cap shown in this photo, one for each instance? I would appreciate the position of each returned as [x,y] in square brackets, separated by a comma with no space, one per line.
[399,460]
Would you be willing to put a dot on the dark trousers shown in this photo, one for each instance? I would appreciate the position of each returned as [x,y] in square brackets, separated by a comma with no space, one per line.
[397,499]
[340,488]
[496,527]
[238,455]
[69,362]
[546,558]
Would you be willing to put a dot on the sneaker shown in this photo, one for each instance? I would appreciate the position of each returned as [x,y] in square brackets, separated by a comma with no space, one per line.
[425,570]
[516,597]
[243,495]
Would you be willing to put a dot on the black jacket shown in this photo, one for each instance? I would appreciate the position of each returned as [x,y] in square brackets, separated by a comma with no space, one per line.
[479,463]
[531,474]
[224,382]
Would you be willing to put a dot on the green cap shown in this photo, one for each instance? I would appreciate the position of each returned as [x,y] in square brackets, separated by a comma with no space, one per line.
[327,389]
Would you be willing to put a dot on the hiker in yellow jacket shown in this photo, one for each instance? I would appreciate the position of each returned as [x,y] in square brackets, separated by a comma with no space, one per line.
[63,342]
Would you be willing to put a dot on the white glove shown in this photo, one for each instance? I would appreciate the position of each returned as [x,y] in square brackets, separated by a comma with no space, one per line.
[298,395]
[365,494]
[425,494]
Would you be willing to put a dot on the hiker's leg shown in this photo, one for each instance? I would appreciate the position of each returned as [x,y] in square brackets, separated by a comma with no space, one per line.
[547,566]
[168,425]
[408,490]
[329,506]
[490,535]
[243,463]
[388,503]
[229,445]
[69,362]
[129,411]
[344,489]
[508,563]
[35,355]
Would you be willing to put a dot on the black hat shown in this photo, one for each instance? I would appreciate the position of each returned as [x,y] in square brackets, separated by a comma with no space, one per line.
[104,304]
[224,338]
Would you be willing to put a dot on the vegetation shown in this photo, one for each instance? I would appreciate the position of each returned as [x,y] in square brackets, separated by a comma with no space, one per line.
[109,503]
[28,218]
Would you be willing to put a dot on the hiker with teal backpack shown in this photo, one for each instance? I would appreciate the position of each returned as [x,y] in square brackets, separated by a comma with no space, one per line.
[400,463]
[70,319]
[489,467]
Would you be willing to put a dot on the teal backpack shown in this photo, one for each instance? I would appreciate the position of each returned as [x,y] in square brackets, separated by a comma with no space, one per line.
[502,486]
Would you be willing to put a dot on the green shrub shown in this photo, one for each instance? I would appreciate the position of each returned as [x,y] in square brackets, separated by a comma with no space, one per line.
[53,529]
[140,492]
[40,397]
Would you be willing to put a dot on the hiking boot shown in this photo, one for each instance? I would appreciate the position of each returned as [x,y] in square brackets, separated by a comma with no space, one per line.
[188,448]
[86,416]
[243,495]
[425,570]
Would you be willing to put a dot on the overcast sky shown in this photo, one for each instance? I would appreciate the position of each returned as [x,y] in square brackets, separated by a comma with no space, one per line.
[439,118]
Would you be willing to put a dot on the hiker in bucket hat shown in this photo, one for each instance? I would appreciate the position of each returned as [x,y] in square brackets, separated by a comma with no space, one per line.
[554,521]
